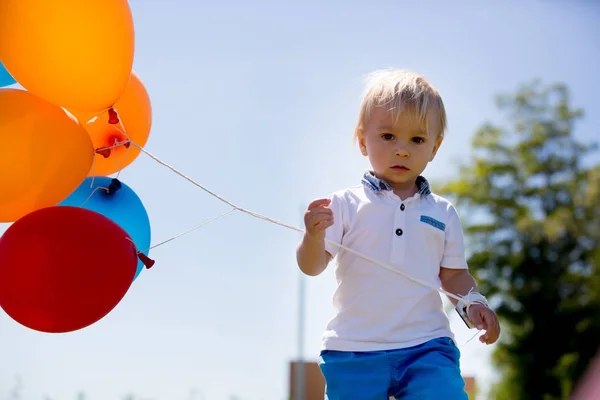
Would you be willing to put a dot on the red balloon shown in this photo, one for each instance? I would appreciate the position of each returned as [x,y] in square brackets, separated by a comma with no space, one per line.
[64,268]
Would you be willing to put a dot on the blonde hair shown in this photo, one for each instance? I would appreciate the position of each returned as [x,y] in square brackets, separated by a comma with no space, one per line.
[403,91]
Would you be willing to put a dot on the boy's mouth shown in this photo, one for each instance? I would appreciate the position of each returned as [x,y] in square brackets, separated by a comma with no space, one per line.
[400,168]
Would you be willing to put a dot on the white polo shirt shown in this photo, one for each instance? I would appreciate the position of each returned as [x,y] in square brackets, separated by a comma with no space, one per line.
[376,309]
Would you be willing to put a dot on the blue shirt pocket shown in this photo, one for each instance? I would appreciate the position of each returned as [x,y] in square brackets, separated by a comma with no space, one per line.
[433,222]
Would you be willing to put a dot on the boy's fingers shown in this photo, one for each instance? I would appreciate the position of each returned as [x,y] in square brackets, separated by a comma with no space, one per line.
[318,218]
[313,219]
[321,211]
[319,203]
[477,320]
[317,214]
[491,325]
[324,224]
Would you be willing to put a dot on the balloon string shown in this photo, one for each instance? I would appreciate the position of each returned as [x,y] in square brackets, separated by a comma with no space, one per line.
[127,143]
[93,169]
[120,163]
[292,227]
[473,337]
[265,218]
[91,194]
[189,230]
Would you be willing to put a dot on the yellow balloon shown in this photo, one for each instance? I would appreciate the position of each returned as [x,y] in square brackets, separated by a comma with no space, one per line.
[45,154]
[72,53]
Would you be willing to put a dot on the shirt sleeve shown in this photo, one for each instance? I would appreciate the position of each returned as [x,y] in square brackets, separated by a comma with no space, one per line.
[335,232]
[454,250]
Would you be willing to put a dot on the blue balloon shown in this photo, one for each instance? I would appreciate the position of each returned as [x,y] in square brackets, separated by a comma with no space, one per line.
[5,78]
[119,203]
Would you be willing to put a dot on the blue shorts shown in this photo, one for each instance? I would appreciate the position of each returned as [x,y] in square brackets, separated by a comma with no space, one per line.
[429,371]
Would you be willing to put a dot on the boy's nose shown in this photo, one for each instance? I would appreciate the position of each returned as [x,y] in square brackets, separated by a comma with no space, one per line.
[402,151]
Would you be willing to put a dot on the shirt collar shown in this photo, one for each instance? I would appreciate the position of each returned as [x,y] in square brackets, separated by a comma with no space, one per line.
[377,185]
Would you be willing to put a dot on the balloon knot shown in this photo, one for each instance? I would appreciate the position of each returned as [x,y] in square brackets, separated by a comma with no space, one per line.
[148,262]
[113,116]
[115,185]
[103,151]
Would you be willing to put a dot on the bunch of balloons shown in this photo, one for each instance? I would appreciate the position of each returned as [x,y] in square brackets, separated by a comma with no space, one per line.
[77,237]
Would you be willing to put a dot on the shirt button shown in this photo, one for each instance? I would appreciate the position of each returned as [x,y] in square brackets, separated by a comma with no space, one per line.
[402,207]
[399,232]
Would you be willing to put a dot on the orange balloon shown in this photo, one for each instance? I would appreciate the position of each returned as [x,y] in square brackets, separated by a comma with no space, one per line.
[44,154]
[135,118]
[73,53]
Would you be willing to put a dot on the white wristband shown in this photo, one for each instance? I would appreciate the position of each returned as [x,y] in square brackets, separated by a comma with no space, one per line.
[471,298]
[463,305]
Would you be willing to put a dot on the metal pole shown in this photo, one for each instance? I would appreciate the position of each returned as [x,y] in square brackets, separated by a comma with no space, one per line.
[299,371]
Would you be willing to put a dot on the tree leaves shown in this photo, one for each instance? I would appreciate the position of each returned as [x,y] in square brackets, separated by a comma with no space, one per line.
[531,212]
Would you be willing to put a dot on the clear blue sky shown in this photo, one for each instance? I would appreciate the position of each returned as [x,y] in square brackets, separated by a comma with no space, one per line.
[257,100]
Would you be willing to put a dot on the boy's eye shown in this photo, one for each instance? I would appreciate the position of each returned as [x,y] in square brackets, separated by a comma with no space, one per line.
[418,140]
[387,136]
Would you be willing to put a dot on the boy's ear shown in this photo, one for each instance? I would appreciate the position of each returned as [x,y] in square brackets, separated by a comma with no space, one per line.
[361,142]
[438,143]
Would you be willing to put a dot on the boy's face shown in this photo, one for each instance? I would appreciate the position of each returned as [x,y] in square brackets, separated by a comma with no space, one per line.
[398,150]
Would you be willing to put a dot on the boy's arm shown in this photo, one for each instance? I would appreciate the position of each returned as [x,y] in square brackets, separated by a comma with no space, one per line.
[457,281]
[311,255]
[460,282]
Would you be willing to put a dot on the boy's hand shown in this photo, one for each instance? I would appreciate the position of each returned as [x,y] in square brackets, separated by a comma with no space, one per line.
[485,318]
[318,217]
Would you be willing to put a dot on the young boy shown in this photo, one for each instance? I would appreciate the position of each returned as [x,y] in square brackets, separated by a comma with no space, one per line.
[390,335]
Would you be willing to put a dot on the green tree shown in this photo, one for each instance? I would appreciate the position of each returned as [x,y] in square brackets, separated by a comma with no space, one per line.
[533,234]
